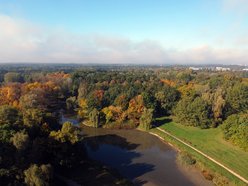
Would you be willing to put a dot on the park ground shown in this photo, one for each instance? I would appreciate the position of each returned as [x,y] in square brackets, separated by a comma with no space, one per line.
[209,141]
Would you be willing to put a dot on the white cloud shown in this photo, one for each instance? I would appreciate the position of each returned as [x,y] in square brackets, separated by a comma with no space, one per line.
[22,41]
[240,6]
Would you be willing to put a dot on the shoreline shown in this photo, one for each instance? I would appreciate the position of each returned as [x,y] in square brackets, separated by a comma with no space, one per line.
[202,166]
[192,173]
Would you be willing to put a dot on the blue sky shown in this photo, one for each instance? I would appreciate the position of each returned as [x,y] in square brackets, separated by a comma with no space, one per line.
[124,31]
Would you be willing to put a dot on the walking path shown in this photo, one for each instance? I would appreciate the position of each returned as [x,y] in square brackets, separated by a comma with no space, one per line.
[202,153]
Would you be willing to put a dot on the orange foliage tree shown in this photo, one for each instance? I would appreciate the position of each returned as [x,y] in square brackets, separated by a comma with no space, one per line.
[168,82]
[135,108]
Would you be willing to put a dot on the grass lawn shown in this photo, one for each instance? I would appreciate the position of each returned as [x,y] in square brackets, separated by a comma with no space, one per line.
[210,141]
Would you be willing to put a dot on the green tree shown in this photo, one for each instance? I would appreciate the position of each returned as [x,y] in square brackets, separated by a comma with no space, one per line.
[33,117]
[11,77]
[218,105]
[237,98]
[235,129]
[38,175]
[71,103]
[9,115]
[94,118]
[20,140]
[6,132]
[193,112]
[184,77]
[167,98]
[146,119]
[149,100]
[83,90]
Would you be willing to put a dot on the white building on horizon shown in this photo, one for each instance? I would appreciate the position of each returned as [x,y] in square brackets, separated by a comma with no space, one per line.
[222,69]
[195,68]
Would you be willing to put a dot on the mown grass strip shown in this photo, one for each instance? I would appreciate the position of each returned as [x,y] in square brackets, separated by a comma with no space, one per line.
[203,162]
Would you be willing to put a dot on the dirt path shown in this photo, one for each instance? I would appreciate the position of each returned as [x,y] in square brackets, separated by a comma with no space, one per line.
[202,153]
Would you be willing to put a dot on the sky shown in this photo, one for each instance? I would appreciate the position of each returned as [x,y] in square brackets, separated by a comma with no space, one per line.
[124,31]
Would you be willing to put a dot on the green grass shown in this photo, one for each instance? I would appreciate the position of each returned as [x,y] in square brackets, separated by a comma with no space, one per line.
[209,141]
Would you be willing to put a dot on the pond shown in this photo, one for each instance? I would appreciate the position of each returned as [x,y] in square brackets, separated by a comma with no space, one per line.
[139,156]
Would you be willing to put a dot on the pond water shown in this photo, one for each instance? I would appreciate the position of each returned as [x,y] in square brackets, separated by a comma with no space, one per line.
[139,156]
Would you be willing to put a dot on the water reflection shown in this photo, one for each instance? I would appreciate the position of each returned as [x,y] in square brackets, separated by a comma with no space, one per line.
[138,156]
[106,148]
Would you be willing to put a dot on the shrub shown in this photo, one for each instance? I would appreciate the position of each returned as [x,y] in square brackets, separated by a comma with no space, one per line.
[186,158]
[207,175]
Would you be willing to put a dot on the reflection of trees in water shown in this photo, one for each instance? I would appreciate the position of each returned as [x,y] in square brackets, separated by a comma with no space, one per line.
[96,141]
[117,152]
[143,139]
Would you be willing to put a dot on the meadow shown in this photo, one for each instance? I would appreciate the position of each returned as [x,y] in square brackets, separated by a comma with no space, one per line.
[209,141]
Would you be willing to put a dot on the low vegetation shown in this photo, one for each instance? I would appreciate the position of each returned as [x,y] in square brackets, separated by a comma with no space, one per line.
[186,158]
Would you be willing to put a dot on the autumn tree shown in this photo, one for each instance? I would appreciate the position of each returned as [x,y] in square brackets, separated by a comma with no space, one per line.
[41,95]
[10,94]
[114,114]
[121,101]
[83,108]
[135,108]
[68,133]
[96,100]
[30,101]
[108,114]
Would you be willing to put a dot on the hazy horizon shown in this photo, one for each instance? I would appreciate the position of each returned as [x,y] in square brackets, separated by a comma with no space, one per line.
[124,32]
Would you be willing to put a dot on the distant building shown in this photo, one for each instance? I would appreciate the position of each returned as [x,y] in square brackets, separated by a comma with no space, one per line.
[222,69]
[194,68]
[245,69]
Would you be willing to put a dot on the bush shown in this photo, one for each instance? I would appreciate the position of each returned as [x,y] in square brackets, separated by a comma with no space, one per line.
[186,159]
[207,175]
[220,180]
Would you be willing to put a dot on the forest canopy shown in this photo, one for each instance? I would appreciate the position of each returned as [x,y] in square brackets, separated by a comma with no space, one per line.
[35,145]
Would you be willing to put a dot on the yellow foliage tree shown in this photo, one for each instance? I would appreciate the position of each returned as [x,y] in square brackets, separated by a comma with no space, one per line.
[83,108]
[113,113]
